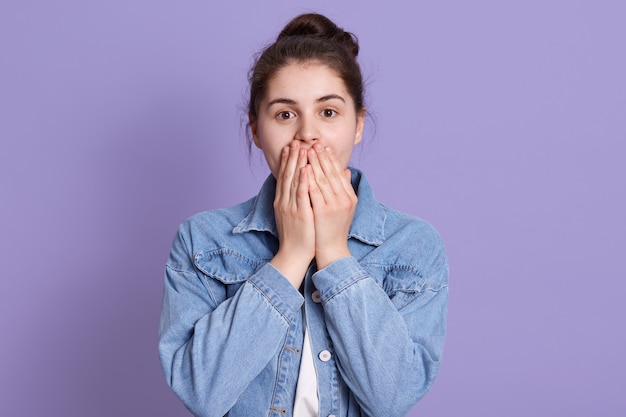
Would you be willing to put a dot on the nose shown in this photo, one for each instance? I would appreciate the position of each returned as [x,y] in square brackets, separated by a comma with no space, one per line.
[307,131]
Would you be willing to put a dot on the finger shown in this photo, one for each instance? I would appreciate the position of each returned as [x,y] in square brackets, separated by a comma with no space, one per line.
[284,156]
[348,180]
[302,193]
[327,177]
[335,171]
[290,169]
[300,163]
[315,194]
[322,185]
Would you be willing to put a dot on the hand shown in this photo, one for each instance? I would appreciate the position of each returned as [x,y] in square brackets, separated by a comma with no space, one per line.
[333,200]
[294,215]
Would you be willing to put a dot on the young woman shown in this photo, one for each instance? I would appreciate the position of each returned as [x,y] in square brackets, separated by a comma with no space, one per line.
[312,298]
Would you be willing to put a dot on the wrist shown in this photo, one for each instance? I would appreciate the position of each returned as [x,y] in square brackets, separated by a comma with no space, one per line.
[325,257]
[293,268]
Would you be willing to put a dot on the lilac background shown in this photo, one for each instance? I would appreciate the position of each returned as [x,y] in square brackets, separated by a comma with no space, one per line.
[502,123]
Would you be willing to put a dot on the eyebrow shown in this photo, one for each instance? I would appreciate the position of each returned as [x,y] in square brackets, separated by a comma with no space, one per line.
[293,102]
[330,97]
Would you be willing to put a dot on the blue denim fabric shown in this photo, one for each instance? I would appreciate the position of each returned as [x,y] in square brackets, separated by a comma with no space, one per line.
[231,333]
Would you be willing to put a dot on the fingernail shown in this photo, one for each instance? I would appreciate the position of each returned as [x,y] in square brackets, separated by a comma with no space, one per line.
[319,147]
[329,150]
[285,150]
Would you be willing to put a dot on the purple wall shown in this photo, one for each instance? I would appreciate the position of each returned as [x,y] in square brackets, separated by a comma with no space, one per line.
[503,125]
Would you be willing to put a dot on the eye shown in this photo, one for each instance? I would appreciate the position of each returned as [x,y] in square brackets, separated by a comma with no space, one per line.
[285,115]
[328,113]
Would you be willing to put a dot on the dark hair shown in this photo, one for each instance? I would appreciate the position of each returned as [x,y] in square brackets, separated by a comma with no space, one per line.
[308,37]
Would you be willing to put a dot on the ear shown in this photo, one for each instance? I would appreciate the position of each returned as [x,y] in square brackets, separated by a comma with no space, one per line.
[360,123]
[254,130]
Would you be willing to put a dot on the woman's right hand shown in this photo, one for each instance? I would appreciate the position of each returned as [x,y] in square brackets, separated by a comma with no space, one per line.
[294,215]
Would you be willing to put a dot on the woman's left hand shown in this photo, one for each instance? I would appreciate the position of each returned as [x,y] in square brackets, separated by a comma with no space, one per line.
[334,201]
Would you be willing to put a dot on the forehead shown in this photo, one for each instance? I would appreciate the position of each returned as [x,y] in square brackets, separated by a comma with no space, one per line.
[306,80]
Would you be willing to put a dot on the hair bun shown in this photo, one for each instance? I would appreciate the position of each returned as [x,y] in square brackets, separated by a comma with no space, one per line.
[318,26]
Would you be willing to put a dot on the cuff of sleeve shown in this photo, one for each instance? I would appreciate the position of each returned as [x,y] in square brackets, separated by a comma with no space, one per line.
[338,276]
[278,290]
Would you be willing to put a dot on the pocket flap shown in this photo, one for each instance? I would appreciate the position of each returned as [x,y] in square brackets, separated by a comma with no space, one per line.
[226,265]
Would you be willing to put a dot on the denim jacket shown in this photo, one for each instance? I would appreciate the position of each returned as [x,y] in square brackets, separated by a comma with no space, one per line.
[231,332]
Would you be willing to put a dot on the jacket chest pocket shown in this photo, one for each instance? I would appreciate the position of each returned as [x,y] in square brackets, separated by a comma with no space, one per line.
[226,270]
[401,283]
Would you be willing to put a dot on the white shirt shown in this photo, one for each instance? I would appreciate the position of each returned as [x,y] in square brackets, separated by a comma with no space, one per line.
[307,401]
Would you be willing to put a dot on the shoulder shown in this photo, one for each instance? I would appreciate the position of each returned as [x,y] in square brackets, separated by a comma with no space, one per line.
[410,230]
[401,251]
[214,222]
[206,231]
[412,247]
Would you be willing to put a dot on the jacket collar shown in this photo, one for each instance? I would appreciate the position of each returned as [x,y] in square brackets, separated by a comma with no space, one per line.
[367,226]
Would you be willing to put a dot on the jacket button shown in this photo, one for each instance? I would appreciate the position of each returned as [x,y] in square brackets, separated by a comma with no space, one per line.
[324,356]
[316,296]
[331,415]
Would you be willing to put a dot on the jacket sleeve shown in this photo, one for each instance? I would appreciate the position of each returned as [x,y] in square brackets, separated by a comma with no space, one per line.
[388,352]
[211,349]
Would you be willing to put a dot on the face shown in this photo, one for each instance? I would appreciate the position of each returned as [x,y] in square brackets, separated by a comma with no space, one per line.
[307,102]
